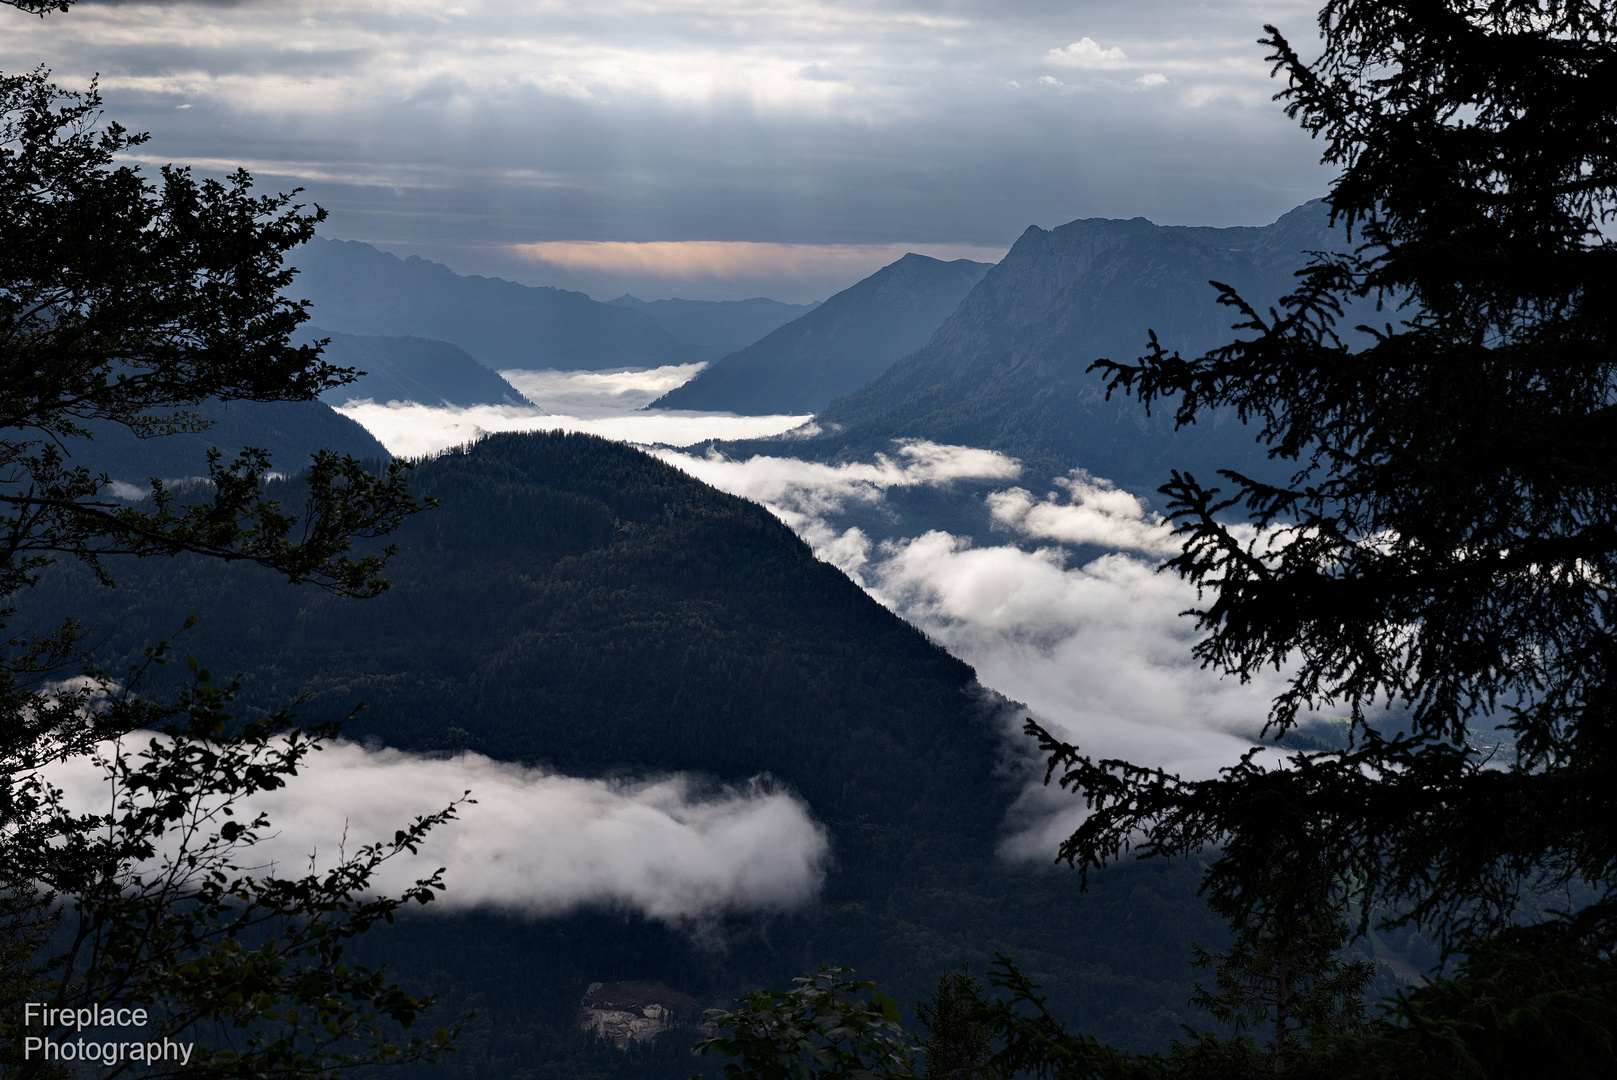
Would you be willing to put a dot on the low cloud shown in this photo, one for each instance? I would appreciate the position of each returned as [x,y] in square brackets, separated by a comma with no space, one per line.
[600,393]
[539,843]
[1094,647]
[1098,652]
[1095,512]
[604,403]
[411,430]
[799,492]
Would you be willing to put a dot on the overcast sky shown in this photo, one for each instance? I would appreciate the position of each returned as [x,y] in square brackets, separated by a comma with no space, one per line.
[711,148]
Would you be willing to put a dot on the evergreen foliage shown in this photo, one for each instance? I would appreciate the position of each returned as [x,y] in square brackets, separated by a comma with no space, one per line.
[822,1028]
[1446,542]
[128,304]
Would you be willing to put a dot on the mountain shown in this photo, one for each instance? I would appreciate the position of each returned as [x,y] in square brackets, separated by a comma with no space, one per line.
[579,604]
[356,289]
[411,369]
[723,325]
[840,345]
[289,430]
[1008,370]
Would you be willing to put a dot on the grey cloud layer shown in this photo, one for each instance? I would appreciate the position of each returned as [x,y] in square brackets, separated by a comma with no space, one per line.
[455,130]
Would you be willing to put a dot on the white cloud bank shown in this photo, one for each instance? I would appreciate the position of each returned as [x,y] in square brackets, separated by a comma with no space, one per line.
[1097,650]
[603,403]
[411,430]
[1096,512]
[798,490]
[536,842]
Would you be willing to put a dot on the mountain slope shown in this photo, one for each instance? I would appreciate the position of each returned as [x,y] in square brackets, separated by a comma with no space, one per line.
[579,604]
[1008,368]
[357,289]
[719,324]
[411,369]
[289,430]
[840,345]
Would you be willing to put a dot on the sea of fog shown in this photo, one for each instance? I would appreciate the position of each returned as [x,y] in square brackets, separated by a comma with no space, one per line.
[1056,602]
[605,403]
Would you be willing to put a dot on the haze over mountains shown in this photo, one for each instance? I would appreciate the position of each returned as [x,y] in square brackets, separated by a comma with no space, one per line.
[289,430]
[357,289]
[1008,369]
[839,346]
[716,324]
[954,353]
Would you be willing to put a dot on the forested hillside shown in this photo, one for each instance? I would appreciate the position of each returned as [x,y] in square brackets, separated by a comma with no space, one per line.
[578,604]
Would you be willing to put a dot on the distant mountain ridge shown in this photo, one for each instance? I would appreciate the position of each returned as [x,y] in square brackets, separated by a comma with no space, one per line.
[839,346]
[356,289]
[723,325]
[411,369]
[1007,370]
[289,430]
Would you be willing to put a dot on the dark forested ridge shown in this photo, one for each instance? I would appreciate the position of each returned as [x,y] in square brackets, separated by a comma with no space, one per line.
[839,346]
[579,604]
[410,369]
[289,430]
[1008,369]
[359,290]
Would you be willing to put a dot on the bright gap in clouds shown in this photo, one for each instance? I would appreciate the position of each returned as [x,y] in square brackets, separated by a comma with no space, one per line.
[535,842]
[691,263]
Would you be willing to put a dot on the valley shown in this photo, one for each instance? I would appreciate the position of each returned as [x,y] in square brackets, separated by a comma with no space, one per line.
[861,633]
[813,541]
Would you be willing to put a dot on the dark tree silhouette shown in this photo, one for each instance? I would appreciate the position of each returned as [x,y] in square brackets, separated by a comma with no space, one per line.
[130,302]
[1440,565]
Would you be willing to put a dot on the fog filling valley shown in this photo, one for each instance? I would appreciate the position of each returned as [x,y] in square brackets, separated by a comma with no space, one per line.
[1060,609]
[604,403]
